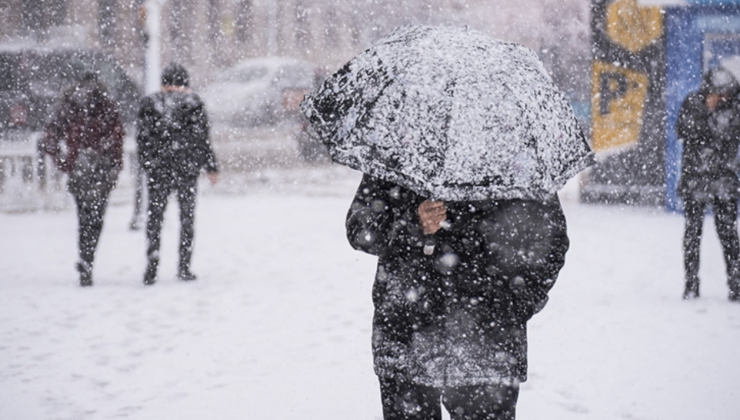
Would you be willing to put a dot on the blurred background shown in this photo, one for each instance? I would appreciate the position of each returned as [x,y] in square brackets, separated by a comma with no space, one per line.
[210,35]
[625,66]
[251,61]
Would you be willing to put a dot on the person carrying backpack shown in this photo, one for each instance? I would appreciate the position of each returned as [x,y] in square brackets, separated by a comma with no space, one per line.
[88,122]
[173,146]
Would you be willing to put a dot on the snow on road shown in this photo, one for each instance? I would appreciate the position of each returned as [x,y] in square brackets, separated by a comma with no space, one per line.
[277,327]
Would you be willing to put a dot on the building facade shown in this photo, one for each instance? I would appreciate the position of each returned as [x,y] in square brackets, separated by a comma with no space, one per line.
[206,35]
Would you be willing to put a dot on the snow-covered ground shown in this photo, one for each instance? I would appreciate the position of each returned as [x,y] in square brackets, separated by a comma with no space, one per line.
[277,327]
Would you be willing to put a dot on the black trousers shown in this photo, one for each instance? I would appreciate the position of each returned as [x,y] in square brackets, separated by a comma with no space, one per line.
[90,212]
[139,176]
[406,401]
[159,189]
[725,220]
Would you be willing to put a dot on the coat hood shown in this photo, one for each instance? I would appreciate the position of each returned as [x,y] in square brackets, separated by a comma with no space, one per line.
[719,80]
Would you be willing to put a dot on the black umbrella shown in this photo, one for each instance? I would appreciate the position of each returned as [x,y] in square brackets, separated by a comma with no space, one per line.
[451,114]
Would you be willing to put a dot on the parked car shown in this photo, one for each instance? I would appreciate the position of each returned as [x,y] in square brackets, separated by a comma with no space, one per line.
[32,80]
[259,91]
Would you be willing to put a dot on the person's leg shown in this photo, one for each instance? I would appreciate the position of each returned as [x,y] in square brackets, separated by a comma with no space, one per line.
[725,220]
[186,196]
[90,212]
[158,192]
[84,218]
[484,402]
[694,212]
[406,401]
[139,176]
[100,204]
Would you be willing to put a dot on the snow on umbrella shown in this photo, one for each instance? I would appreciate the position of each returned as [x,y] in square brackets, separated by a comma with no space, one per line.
[451,114]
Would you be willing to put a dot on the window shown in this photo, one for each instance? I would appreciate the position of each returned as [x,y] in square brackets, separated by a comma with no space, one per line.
[244,21]
[107,22]
[302,23]
[42,14]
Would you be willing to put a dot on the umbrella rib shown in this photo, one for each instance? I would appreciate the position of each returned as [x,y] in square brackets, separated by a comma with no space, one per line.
[450,113]
[365,116]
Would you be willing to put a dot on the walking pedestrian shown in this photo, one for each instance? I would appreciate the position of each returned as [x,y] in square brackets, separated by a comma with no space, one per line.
[709,128]
[456,283]
[89,125]
[173,147]
[463,142]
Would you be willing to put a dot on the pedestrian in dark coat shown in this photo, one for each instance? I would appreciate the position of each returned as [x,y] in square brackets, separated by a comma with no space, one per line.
[455,286]
[88,123]
[709,129]
[173,146]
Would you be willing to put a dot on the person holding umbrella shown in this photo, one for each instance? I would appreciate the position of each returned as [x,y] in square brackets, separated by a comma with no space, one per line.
[463,142]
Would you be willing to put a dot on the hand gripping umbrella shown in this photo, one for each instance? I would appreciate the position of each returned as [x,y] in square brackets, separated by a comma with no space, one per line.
[451,114]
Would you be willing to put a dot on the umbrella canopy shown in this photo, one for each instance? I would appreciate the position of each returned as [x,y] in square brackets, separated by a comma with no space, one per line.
[451,114]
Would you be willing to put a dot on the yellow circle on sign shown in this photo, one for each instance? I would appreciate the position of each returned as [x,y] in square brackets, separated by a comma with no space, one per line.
[631,26]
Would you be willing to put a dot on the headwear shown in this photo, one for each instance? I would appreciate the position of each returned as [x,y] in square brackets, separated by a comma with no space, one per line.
[721,81]
[175,75]
[89,76]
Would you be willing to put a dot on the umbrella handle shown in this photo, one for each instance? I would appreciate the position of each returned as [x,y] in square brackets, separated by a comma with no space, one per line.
[429,245]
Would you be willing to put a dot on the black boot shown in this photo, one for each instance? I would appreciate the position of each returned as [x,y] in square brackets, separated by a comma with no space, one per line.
[150,275]
[85,270]
[734,295]
[184,274]
[692,289]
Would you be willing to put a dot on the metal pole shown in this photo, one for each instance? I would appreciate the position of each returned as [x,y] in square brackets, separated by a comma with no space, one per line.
[272,28]
[153,66]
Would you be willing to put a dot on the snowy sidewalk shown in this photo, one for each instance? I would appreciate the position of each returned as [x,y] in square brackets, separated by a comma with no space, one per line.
[277,327]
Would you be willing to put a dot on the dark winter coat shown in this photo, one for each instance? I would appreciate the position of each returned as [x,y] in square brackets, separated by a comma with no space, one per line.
[456,317]
[88,122]
[709,165]
[173,135]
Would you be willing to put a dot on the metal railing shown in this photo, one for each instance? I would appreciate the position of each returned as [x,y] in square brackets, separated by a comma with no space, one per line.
[29,180]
